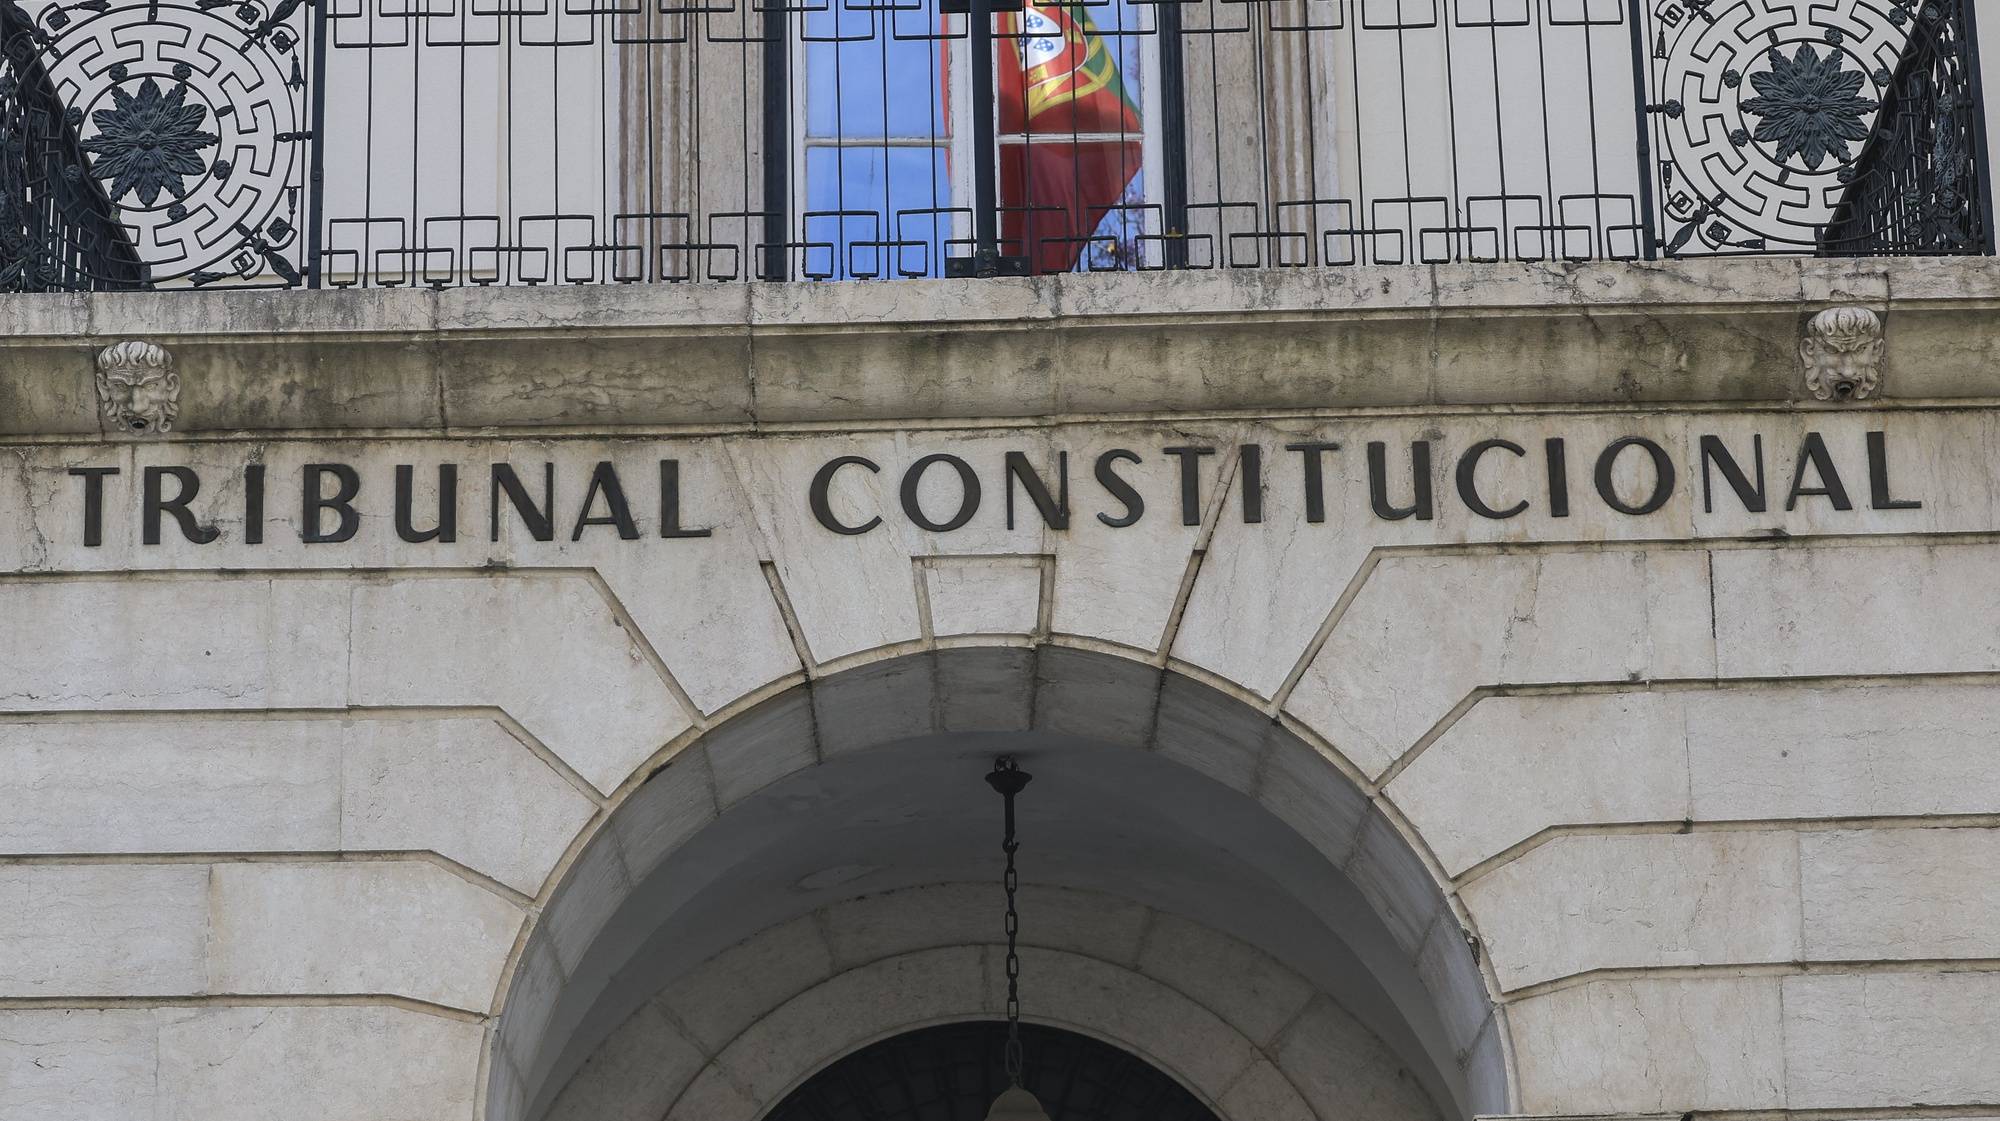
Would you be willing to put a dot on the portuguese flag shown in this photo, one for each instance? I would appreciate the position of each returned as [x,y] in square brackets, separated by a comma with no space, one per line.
[1069,134]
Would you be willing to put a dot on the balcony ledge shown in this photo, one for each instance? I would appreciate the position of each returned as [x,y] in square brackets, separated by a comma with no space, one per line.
[730,357]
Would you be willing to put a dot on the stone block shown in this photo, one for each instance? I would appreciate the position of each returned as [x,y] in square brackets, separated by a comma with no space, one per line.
[217,643]
[1214,733]
[1450,973]
[1650,1046]
[1891,1040]
[1120,585]
[591,891]
[983,595]
[636,1076]
[848,593]
[84,930]
[252,1064]
[1246,988]
[1395,882]
[1492,619]
[1308,793]
[1174,1032]
[403,928]
[871,706]
[985,689]
[1900,893]
[464,789]
[1344,1071]
[565,653]
[729,992]
[674,804]
[1578,904]
[826,1021]
[1857,609]
[170,785]
[1814,751]
[1589,759]
[86,1064]
[1095,696]
[1267,1095]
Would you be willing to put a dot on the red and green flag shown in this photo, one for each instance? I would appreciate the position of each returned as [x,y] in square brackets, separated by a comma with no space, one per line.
[1070,133]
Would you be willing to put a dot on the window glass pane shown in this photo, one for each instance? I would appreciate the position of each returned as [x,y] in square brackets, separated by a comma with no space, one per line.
[875,70]
[876,211]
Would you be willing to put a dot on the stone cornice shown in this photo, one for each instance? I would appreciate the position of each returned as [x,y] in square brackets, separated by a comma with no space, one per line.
[731,356]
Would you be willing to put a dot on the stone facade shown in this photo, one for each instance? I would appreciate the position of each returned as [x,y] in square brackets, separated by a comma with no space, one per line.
[629,794]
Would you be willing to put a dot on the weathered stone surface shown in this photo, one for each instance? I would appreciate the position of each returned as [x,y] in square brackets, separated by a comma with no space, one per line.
[1885,894]
[1891,1039]
[1198,340]
[80,1063]
[1642,1046]
[1345,1072]
[82,930]
[1504,619]
[826,1020]
[998,595]
[402,928]
[727,994]
[1262,1092]
[565,650]
[1578,904]
[1590,759]
[213,643]
[248,1064]
[1805,751]
[170,785]
[1255,994]
[464,789]
[1863,609]
[636,1076]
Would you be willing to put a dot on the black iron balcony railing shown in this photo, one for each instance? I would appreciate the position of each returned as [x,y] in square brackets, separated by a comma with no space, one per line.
[195,143]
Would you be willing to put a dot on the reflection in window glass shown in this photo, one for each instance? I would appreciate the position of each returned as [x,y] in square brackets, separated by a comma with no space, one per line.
[879,140]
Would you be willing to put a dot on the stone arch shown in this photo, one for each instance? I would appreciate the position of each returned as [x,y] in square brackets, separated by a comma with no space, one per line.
[1236,1028]
[1269,841]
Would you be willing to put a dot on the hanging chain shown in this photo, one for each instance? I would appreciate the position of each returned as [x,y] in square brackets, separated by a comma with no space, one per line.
[1008,779]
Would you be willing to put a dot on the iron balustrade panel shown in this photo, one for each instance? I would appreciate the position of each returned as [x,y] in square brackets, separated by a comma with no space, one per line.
[439,143]
[159,143]
[1844,128]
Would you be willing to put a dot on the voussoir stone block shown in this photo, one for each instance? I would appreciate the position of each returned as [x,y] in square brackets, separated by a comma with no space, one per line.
[405,928]
[1583,903]
[467,790]
[1646,1045]
[1580,759]
[1425,631]
[424,642]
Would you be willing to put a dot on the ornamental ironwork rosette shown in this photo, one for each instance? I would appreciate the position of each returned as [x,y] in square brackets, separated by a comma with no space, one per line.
[1836,127]
[172,139]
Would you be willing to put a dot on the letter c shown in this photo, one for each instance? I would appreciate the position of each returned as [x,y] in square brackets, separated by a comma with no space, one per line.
[823,510]
[1468,479]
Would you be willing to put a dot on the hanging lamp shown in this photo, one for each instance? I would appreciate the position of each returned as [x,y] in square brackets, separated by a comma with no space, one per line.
[1015,1103]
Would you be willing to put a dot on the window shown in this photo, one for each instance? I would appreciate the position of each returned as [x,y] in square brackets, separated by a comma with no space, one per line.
[883,167]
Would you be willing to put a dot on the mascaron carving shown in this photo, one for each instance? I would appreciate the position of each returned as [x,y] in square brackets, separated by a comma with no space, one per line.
[1842,352]
[137,387]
